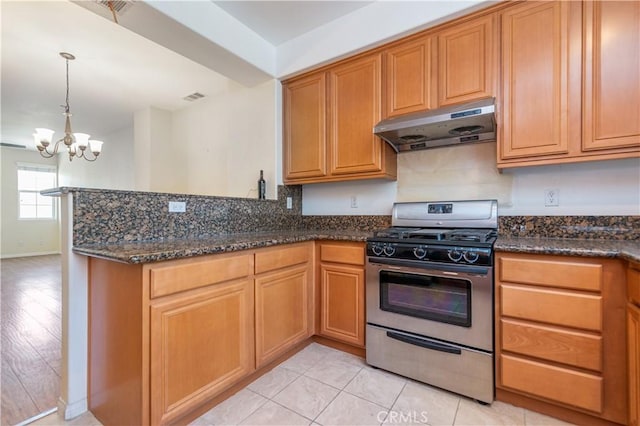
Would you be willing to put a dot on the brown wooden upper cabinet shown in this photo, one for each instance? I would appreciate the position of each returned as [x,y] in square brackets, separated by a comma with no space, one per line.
[305,127]
[570,82]
[409,81]
[611,98]
[451,66]
[328,120]
[466,61]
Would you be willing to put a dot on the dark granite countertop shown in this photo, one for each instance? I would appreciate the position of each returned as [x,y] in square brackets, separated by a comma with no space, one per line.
[624,249]
[146,252]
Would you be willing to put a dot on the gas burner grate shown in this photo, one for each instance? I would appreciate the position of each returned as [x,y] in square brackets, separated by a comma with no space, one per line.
[480,236]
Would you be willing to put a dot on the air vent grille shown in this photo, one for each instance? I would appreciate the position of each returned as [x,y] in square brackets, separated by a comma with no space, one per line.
[193,97]
[120,6]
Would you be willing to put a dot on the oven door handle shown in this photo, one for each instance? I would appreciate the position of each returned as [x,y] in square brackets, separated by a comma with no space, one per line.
[424,343]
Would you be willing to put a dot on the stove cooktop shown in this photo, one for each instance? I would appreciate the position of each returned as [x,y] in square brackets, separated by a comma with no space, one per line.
[435,235]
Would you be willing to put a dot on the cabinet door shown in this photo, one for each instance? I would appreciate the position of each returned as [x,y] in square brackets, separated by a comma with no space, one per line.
[282,311]
[466,58]
[305,127]
[633,345]
[201,343]
[408,78]
[535,73]
[342,314]
[355,105]
[611,108]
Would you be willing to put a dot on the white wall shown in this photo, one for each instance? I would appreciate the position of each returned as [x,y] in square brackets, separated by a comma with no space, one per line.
[469,172]
[23,237]
[216,146]
[226,139]
[112,170]
[593,188]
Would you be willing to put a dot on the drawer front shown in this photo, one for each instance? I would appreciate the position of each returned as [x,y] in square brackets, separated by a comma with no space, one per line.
[171,279]
[352,255]
[554,344]
[562,385]
[551,273]
[276,258]
[556,307]
[633,285]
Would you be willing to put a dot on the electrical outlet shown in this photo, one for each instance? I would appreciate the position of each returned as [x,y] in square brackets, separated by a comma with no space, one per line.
[551,197]
[289,203]
[354,202]
[177,206]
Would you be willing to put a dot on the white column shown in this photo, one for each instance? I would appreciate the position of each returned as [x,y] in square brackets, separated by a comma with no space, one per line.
[73,392]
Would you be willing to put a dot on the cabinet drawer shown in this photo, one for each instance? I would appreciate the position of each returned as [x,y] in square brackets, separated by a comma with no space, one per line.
[557,307]
[351,255]
[633,285]
[557,384]
[271,259]
[171,279]
[551,273]
[554,344]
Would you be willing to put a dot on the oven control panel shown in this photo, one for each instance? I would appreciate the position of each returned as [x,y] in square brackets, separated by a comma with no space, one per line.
[432,253]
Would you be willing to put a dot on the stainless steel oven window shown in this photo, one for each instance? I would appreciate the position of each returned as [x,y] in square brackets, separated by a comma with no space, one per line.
[441,299]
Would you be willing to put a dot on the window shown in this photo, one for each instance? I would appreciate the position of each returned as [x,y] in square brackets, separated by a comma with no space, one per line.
[33,178]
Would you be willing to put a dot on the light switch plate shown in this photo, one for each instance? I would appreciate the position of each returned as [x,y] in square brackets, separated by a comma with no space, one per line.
[177,206]
[289,203]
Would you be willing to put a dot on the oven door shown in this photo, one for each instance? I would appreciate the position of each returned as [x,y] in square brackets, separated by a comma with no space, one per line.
[453,303]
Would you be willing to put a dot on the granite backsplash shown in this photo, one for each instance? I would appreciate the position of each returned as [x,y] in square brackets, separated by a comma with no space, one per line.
[576,227]
[112,216]
[109,216]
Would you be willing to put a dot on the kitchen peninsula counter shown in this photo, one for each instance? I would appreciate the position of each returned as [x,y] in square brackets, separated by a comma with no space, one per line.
[623,249]
[154,251]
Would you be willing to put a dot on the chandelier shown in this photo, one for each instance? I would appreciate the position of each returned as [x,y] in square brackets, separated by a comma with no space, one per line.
[75,143]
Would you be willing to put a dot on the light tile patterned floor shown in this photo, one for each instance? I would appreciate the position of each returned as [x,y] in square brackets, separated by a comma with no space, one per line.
[323,386]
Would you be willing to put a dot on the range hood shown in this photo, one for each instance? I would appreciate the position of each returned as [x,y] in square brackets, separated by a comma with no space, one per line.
[460,124]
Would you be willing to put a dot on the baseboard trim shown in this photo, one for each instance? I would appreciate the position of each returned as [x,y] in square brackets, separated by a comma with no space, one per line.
[37,417]
[34,254]
[71,411]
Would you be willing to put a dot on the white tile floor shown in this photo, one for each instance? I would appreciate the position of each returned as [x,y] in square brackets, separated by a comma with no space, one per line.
[323,386]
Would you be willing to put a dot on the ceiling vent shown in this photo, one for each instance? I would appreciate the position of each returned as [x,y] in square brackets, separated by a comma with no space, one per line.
[119,6]
[193,97]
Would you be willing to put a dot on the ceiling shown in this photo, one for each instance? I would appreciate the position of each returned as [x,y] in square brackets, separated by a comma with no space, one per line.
[118,71]
[280,21]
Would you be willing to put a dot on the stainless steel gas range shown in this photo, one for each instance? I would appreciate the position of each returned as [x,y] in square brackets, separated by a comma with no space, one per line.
[429,291]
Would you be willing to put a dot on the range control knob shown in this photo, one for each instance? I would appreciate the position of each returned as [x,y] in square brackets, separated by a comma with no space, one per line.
[471,256]
[377,249]
[455,255]
[389,250]
[419,252]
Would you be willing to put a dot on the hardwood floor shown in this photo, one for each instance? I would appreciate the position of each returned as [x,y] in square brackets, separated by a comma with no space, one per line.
[31,302]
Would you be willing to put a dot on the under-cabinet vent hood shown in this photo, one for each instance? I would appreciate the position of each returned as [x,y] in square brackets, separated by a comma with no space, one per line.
[460,124]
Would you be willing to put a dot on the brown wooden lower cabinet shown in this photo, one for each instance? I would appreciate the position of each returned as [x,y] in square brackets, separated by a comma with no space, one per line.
[283,311]
[560,336]
[166,338]
[633,342]
[201,343]
[342,310]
